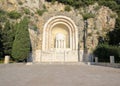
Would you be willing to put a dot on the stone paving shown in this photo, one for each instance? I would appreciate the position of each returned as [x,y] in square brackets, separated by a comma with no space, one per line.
[58,75]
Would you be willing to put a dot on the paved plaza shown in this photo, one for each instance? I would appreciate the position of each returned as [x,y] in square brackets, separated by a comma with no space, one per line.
[58,75]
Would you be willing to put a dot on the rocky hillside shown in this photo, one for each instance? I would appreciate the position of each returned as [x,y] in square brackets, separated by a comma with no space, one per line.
[100,19]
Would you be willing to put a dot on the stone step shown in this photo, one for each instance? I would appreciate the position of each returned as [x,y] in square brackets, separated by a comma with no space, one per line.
[58,63]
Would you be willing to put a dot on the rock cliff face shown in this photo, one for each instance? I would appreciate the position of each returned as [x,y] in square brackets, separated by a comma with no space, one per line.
[10,5]
[103,19]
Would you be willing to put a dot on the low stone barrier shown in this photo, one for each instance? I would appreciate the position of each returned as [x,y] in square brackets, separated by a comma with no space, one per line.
[115,65]
[6,60]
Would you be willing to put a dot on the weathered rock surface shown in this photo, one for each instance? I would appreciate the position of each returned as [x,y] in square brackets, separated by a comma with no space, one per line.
[103,21]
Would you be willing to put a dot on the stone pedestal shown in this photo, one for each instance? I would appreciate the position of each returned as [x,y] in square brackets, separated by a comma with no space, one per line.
[81,53]
[112,60]
[56,56]
[6,60]
[37,56]
[96,59]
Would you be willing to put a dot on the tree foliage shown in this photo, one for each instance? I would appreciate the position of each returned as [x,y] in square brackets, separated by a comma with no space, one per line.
[7,38]
[114,36]
[21,45]
[113,4]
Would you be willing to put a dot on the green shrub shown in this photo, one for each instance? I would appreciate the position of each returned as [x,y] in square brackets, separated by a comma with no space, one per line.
[14,15]
[103,52]
[67,8]
[1,60]
[2,12]
[88,15]
[53,1]
[89,34]
[41,12]
[44,7]
[113,15]
[97,8]
[27,11]
[111,4]
[20,3]
[32,14]
[3,16]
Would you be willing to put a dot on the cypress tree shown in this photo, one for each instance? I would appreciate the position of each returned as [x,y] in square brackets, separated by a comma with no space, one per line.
[21,45]
[7,38]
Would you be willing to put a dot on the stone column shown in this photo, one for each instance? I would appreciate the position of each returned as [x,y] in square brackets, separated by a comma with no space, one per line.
[96,59]
[6,60]
[56,44]
[81,55]
[64,44]
[60,43]
[112,59]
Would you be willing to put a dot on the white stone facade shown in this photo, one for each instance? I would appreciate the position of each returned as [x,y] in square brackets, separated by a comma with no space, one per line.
[60,20]
[57,56]
[59,42]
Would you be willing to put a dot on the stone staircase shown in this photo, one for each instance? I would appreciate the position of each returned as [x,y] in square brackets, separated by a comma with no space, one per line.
[58,63]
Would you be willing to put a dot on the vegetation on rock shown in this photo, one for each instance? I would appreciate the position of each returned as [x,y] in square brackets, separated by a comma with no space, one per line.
[41,12]
[27,11]
[67,8]
[3,16]
[88,15]
[14,15]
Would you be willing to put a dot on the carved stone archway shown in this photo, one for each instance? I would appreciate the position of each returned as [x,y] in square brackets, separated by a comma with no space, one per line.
[63,25]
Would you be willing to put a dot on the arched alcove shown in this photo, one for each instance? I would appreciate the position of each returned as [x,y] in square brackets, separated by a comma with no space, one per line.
[60,26]
[60,35]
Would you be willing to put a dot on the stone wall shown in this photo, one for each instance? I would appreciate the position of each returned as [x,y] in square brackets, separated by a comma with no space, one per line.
[54,56]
